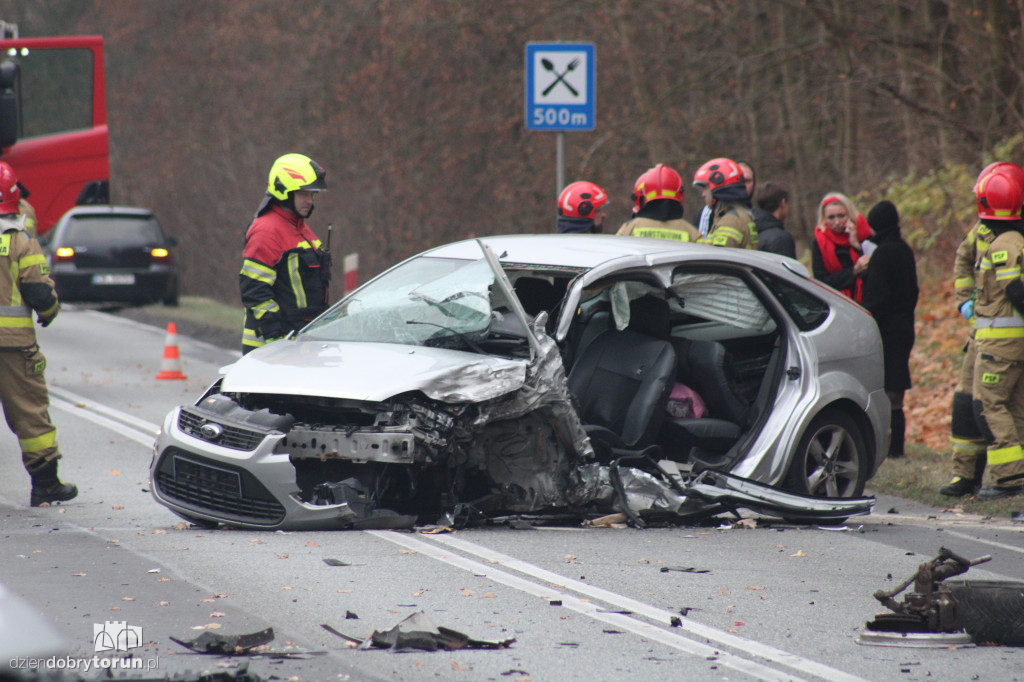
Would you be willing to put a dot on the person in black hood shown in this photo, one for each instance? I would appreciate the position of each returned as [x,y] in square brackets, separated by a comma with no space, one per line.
[890,295]
[769,218]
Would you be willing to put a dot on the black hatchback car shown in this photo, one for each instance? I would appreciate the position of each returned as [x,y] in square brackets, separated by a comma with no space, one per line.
[112,254]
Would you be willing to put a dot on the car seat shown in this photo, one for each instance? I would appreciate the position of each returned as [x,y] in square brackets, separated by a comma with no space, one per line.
[706,370]
[622,380]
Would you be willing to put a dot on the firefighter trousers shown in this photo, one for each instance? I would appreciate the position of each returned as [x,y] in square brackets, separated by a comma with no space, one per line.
[26,405]
[965,437]
[999,388]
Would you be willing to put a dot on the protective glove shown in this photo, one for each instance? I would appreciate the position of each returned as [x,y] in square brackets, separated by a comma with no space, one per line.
[45,320]
[967,309]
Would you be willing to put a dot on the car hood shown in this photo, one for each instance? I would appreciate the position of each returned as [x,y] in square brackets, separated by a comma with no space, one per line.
[372,371]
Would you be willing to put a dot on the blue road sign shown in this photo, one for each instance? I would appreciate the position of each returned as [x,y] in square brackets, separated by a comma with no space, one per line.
[560,86]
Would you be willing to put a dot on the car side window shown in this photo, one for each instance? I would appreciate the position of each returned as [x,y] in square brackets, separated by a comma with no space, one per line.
[718,305]
[807,310]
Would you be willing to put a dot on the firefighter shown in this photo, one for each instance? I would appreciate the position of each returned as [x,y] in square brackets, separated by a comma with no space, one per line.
[285,271]
[25,286]
[581,209]
[725,193]
[999,333]
[658,207]
[965,438]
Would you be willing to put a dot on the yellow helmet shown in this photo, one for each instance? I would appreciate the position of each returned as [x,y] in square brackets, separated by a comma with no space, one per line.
[293,172]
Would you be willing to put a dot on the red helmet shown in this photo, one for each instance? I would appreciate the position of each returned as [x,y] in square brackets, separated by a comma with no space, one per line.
[1000,195]
[718,173]
[10,192]
[638,192]
[660,182]
[581,200]
[1013,169]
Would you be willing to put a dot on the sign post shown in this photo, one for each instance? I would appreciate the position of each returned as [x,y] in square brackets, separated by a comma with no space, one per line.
[560,92]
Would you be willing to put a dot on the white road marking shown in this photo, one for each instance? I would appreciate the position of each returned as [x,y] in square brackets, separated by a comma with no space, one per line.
[993,543]
[638,627]
[127,425]
[144,433]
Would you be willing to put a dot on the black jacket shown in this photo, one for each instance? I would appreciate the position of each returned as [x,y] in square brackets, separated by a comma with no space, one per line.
[890,295]
[771,234]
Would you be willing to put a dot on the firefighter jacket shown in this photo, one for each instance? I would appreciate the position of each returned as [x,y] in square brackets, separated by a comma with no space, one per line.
[678,230]
[284,277]
[999,327]
[732,224]
[25,286]
[973,247]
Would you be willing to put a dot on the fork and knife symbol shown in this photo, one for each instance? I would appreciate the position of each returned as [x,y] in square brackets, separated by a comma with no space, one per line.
[560,77]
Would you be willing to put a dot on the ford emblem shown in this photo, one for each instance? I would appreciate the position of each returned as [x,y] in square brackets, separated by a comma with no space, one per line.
[211,431]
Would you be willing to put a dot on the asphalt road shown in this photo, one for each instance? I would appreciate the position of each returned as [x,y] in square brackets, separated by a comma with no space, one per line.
[773,602]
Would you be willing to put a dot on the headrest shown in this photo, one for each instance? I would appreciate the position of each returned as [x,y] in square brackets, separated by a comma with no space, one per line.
[649,315]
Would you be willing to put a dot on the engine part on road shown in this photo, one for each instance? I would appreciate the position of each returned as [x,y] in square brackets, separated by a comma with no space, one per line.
[940,614]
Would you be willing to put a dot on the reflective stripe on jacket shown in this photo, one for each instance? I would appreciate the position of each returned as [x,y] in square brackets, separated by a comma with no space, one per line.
[25,285]
[676,230]
[999,327]
[733,226]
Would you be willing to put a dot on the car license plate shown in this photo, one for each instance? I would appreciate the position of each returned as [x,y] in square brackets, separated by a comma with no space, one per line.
[121,279]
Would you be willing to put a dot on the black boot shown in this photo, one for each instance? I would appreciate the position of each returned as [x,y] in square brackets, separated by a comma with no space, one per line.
[47,488]
[899,427]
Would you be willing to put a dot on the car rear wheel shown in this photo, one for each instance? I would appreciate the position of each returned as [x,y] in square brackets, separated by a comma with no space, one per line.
[171,297]
[831,460]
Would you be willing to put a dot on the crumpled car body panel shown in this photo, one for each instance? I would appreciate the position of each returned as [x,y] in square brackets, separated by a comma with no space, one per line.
[373,372]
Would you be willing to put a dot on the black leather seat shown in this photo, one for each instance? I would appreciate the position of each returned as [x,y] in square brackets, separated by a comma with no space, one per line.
[622,380]
[705,369]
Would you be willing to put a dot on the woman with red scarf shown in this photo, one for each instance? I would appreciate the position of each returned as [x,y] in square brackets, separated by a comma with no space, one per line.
[836,255]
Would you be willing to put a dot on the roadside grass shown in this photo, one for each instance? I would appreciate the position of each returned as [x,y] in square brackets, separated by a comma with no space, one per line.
[206,311]
[919,474]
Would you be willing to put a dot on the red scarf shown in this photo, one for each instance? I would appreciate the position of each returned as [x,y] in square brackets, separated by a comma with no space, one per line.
[828,242]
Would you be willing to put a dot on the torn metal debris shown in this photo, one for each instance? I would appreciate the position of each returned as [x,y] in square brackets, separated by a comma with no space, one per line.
[418,632]
[251,644]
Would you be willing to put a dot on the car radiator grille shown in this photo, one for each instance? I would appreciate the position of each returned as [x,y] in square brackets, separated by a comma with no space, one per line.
[233,437]
[228,492]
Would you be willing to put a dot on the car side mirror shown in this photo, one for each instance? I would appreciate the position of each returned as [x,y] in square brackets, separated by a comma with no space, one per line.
[172,241]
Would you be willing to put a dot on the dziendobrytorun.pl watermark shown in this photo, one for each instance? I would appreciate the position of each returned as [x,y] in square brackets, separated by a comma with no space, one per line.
[111,636]
[85,665]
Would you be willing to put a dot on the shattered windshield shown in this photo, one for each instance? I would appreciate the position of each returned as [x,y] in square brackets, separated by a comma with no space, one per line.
[440,302]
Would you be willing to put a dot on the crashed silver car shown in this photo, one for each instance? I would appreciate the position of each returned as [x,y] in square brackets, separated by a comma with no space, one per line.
[544,374]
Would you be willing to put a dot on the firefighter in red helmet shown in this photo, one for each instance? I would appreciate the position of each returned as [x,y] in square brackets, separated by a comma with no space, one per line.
[658,207]
[965,438]
[26,287]
[999,332]
[725,193]
[581,208]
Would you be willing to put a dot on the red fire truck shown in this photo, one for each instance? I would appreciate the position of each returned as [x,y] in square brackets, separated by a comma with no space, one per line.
[53,120]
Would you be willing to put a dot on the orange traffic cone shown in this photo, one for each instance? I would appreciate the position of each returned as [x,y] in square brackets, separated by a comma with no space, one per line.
[171,367]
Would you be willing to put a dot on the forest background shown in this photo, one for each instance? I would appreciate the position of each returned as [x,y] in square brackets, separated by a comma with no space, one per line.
[416,109]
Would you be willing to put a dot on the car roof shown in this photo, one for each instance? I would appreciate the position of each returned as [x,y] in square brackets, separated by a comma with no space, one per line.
[107,209]
[589,251]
